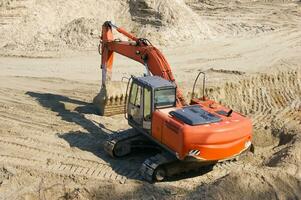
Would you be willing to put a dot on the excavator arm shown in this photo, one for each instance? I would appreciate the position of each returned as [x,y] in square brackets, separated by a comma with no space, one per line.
[138,49]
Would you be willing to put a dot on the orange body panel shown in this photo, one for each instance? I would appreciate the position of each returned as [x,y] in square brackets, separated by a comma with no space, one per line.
[215,141]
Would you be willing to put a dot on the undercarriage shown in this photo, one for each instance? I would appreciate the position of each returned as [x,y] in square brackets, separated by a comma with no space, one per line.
[162,165]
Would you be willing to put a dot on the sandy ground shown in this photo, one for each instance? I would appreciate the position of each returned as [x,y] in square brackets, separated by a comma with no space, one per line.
[51,138]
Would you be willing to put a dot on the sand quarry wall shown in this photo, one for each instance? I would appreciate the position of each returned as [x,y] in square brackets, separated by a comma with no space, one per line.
[55,25]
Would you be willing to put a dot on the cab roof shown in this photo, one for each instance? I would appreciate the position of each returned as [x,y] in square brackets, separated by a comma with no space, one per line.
[155,81]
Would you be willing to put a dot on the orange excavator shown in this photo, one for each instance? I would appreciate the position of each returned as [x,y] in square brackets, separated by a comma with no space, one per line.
[202,132]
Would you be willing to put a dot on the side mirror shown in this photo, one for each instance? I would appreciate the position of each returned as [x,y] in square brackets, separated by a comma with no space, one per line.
[229,113]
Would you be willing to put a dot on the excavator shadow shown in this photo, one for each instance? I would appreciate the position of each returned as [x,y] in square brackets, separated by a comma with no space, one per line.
[91,139]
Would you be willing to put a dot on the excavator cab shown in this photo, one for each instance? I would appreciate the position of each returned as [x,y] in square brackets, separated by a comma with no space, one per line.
[146,95]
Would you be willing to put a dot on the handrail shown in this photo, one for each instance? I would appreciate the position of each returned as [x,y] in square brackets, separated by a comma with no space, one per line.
[204,81]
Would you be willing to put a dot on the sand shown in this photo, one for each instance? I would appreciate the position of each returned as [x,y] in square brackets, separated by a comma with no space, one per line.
[51,139]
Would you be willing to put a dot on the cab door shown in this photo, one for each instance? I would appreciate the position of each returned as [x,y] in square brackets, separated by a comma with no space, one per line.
[135,108]
[140,106]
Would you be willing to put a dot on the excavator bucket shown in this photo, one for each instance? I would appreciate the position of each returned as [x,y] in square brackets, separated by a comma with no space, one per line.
[111,99]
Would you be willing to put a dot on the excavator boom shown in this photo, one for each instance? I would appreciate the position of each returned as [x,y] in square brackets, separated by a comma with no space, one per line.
[138,49]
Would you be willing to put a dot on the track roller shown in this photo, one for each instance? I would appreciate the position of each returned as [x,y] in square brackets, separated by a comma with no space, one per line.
[154,168]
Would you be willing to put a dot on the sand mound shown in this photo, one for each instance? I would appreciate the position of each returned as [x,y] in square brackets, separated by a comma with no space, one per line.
[80,33]
[252,184]
[57,25]
[37,26]
[167,21]
[40,25]
[273,95]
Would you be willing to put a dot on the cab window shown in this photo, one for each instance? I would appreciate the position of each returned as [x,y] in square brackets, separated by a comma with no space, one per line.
[135,95]
[165,97]
[147,104]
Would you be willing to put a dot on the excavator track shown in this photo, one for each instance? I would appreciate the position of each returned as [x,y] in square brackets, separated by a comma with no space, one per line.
[153,168]
[165,164]
[160,167]
[121,143]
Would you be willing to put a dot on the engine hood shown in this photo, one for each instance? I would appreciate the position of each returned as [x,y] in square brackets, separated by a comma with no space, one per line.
[194,115]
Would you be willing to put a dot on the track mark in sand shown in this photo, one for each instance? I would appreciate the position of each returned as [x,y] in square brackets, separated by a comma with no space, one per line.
[225,71]
[100,171]
[25,147]
[25,122]
[226,167]
[65,163]
[42,153]
[38,143]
